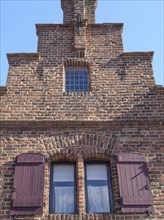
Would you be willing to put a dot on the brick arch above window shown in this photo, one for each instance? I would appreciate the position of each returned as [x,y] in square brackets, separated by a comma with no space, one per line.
[62,155]
[97,154]
[73,153]
[86,142]
[76,62]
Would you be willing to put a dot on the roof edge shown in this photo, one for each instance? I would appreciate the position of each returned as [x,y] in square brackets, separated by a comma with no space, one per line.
[159,89]
[3,90]
[70,25]
[138,55]
[17,57]
[106,25]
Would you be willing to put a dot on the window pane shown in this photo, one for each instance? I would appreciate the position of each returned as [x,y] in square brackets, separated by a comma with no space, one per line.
[98,199]
[97,188]
[64,200]
[63,194]
[63,172]
[96,172]
[77,80]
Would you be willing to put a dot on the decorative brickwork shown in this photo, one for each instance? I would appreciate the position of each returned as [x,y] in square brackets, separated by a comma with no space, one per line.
[123,111]
[76,62]
[81,145]
[3,90]
[86,9]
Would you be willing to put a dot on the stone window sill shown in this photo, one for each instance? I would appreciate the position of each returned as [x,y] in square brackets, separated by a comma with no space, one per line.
[88,93]
[91,216]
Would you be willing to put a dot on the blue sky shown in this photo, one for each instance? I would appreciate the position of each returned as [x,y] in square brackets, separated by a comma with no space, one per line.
[143,26]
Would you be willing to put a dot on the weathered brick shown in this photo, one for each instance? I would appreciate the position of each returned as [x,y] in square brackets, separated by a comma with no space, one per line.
[123,111]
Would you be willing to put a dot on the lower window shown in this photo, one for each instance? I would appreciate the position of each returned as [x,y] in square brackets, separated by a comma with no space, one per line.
[98,188]
[62,188]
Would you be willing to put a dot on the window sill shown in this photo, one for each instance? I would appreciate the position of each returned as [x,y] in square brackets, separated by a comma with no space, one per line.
[87,93]
[88,216]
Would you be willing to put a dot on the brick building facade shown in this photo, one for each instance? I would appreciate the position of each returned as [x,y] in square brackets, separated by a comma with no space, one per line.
[81,126]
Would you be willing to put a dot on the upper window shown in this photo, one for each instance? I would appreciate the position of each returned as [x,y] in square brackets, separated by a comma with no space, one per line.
[76,80]
[62,189]
[98,193]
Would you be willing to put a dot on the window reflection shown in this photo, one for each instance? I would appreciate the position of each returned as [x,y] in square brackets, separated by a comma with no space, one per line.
[76,80]
[63,189]
[97,188]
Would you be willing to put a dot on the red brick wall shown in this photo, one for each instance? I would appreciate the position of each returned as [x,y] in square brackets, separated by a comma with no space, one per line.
[123,111]
[80,143]
[35,84]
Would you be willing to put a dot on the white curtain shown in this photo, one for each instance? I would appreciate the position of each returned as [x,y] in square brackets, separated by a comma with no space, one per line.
[98,199]
[63,177]
[64,199]
[97,188]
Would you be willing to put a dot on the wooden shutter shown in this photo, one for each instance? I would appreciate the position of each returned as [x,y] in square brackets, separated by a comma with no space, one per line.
[27,197]
[134,183]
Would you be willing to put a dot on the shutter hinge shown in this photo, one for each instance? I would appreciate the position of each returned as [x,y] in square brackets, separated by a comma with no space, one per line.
[14,188]
[146,187]
[114,156]
[46,159]
[15,217]
[120,201]
[148,213]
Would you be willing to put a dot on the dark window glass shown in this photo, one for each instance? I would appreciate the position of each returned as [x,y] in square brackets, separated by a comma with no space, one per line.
[98,188]
[62,189]
[77,80]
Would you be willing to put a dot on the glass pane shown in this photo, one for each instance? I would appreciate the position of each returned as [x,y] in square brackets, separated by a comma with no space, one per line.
[97,188]
[85,88]
[77,79]
[63,172]
[98,199]
[64,200]
[96,172]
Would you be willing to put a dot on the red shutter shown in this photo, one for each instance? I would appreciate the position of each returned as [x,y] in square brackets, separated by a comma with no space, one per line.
[134,183]
[27,198]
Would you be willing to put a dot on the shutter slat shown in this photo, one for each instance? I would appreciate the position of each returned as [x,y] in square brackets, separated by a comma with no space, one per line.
[134,180]
[131,157]
[28,183]
[30,158]
[136,209]
[27,202]
[140,182]
[136,201]
[123,186]
[128,185]
[134,183]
